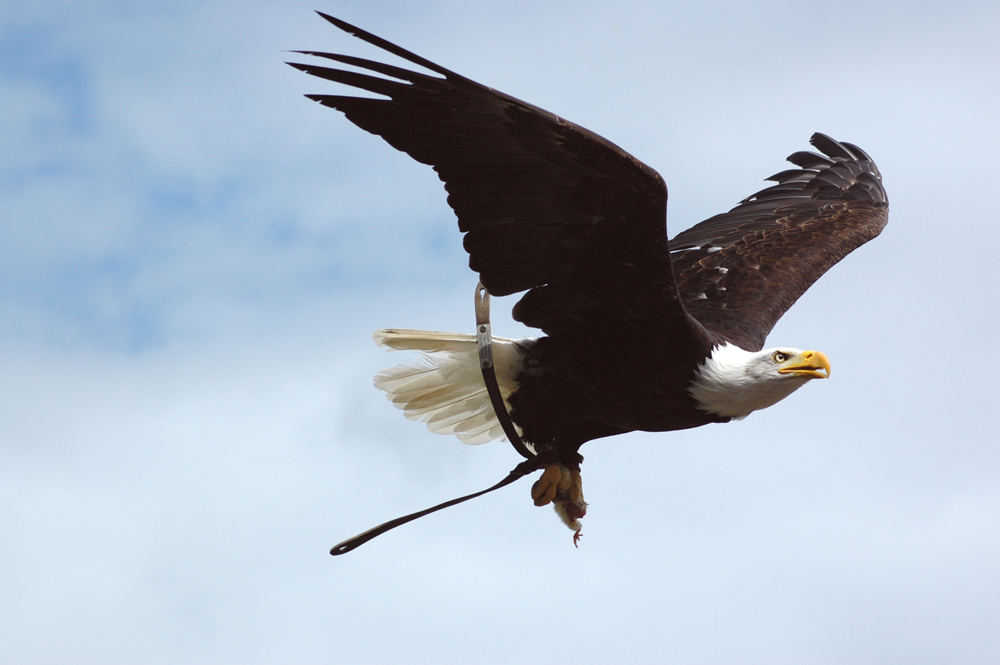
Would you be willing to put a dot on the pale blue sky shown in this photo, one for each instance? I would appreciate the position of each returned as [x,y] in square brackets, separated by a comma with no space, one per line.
[193,257]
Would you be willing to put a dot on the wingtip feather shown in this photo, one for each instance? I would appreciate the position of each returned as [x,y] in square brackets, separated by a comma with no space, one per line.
[386,45]
[830,146]
[343,25]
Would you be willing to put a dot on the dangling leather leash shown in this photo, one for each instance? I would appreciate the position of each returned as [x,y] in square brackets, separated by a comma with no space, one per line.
[518,472]
[484,338]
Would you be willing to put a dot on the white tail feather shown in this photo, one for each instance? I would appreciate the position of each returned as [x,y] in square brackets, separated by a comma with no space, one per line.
[445,388]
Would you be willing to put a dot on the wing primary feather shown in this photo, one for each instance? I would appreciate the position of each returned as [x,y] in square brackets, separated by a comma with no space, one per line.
[373,65]
[832,177]
[364,81]
[861,154]
[830,147]
[390,47]
[792,175]
[809,160]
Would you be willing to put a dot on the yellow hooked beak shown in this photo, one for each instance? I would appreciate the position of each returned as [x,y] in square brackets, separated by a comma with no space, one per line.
[810,364]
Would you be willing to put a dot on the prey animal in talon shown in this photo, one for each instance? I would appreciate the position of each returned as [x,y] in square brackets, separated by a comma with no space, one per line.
[569,503]
[637,331]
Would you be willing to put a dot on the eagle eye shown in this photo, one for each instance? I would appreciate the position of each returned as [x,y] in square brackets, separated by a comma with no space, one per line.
[779,356]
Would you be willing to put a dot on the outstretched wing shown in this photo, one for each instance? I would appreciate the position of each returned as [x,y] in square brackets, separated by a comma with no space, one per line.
[738,272]
[545,204]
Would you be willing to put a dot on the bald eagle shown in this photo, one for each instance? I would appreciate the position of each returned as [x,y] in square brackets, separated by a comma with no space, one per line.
[639,332]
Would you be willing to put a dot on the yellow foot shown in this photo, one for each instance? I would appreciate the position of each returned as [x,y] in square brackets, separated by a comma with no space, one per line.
[545,488]
[562,487]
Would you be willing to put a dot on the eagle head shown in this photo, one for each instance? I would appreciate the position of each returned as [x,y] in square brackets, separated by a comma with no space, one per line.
[733,382]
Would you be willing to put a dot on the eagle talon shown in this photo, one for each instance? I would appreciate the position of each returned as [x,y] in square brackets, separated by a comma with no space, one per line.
[563,488]
[546,488]
[576,538]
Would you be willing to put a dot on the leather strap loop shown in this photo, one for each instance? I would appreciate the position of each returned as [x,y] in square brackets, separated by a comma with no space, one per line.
[484,337]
